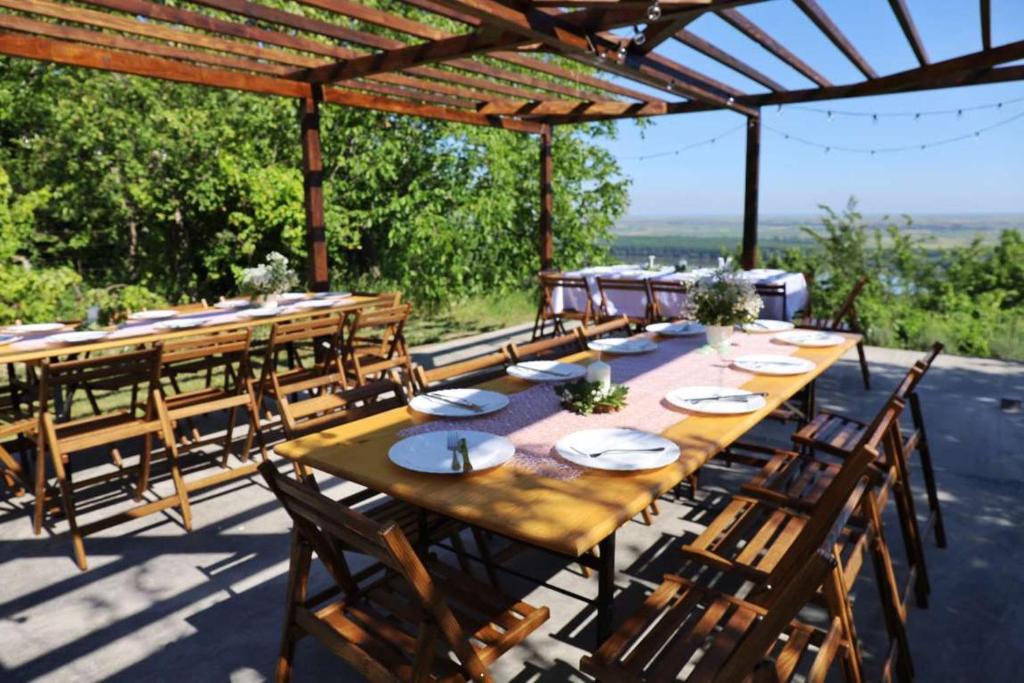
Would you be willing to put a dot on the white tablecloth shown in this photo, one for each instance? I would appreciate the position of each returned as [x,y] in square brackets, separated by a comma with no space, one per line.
[632,303]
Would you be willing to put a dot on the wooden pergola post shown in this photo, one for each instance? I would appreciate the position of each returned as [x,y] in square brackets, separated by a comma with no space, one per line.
[313,190]
[749,257]
[547,239]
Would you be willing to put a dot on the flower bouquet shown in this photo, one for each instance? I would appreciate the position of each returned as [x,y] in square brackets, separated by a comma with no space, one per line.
[721,301]
[271,277]
[584,397]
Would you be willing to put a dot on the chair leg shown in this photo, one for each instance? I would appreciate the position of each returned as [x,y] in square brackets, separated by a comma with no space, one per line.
[228,433]
[13,474]
[298,587]
[68,504]
[865,373]
[911,532]
[171,448]
[39,487]
[145,465]
[929,472]
[837,597]
[484,547]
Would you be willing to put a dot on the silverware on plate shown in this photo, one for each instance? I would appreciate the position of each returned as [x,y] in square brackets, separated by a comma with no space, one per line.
[459,402]
[453,448]
[597,454]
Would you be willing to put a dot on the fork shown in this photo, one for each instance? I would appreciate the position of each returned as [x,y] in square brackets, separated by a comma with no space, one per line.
[453,447]
[597,454]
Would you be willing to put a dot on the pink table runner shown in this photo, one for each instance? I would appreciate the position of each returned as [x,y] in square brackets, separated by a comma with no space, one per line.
[534,419]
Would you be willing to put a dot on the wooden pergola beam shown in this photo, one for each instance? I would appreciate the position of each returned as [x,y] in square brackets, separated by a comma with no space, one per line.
[697,43]
[77,54]
[752,166]
[673,21]
[899,8]
[546,230]
[755,33]
[594,50]
[527,109]
[313,190]
[825,24]
[985,9]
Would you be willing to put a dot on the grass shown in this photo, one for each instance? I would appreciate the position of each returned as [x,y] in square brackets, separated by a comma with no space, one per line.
[475,315]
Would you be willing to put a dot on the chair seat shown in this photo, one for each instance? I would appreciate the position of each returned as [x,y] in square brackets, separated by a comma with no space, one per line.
[792,479]
[830,432]
[381,621]
[681,624]
[406,515]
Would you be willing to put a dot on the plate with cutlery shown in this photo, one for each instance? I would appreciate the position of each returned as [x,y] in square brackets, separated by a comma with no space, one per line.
[771,364]
[622,345]
[716,400]
[546,371]
[459,402]
[766,326]
[684,328]
[811,338]
[451,452]
[618,449]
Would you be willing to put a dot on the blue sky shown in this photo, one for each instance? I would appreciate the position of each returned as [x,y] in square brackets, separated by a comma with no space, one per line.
[973,176]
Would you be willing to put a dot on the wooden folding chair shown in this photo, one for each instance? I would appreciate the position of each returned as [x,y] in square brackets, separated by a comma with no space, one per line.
[833,433]
[374,345]
[220,362]
[667,295]
[59,440]
[550,347]
[755,533]
[463,374]
[727,639]
[400,619]
[12,472]
[844,320]
[639,314]
[310,347]
[571,287]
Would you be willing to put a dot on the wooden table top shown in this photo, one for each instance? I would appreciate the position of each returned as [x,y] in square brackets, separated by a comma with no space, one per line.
[29,349]
[565,516]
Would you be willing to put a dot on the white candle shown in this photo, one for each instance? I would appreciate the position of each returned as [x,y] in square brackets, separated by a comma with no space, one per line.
[600,372]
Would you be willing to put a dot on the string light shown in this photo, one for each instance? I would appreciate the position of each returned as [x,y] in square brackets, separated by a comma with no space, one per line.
[675,152]
[654,11]
[916,114]
[639,37]
[872,151]
[621,52]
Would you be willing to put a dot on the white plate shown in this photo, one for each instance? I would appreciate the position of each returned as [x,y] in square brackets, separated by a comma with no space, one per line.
[261,312]
[546,371]
[231,303]
[315,303]
[576,449]
[622,345]
[181,323]
[152,315]
[34,328]
[679,329]
[77,337]
[6,339]
[811,338]
[773,364]
[291,296]
[766,326]
[454,402]
[332,295]
[684,398]
[429,452]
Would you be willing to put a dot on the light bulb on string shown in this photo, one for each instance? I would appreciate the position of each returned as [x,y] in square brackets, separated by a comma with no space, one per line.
[621,52]
[917,116]
[827,150]
[874,119]
[830,115]
[778,110]
[654,11]
[639,37]
[959,113]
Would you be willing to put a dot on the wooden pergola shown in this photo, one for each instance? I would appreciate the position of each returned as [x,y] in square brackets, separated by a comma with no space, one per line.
[497,69]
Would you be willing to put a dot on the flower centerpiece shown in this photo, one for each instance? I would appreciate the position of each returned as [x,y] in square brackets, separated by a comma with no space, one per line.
[585,397]
[267,279]
[721,301]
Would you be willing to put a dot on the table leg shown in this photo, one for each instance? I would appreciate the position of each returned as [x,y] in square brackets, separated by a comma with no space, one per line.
[605,588]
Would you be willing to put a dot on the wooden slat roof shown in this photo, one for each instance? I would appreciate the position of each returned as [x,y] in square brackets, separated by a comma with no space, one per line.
[516,65]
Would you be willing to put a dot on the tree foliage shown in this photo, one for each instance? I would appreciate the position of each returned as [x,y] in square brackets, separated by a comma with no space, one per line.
[172,189]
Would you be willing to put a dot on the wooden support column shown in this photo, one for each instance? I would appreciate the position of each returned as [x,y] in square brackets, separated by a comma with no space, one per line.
[749,258]
[547,240]
[313,179]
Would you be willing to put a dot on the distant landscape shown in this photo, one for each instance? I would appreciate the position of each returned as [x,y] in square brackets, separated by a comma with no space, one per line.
[701,239]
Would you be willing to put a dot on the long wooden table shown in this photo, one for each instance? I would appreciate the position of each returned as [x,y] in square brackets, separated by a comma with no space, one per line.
[568,517]
[123,336]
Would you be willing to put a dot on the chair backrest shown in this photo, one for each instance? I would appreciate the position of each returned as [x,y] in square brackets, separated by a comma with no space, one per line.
[194,307]
[668,295]
[330,528]
[113,373]
[549,282]
[313,404]
[381,299]
[561,345]
[198,353]
[848,310]
[629,287]
[588,332]
[845,489]
[384,326]
[464,373]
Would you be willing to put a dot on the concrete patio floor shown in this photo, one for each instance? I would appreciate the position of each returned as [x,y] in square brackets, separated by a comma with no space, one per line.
[159,604]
